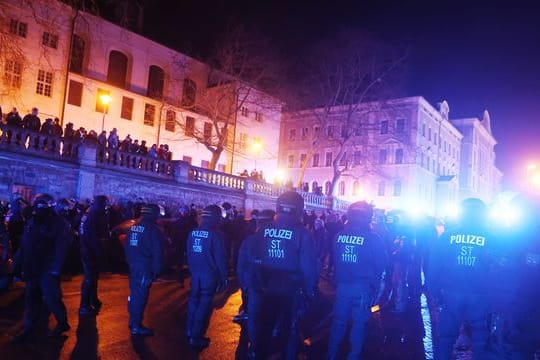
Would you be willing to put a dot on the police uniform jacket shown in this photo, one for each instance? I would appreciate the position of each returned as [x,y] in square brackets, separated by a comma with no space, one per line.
[44,246]
[144,247]
[359,256]
[206,252]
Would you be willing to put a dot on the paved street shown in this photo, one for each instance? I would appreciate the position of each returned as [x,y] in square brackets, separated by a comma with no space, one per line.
[107,336]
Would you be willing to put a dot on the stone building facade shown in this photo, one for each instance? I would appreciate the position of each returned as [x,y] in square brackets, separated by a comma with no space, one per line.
[403,153]
[63,61]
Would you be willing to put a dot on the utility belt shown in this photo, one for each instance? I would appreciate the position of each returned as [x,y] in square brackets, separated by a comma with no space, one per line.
[277,281]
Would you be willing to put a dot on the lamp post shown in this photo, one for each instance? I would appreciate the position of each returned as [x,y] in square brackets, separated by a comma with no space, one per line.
[257,147]
[105,100]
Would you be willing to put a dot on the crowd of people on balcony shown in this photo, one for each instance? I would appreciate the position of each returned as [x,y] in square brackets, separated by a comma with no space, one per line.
[52,128]
[253,175]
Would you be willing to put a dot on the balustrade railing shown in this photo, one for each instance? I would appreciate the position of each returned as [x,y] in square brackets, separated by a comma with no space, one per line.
[26,141]
[197,174]
[121,160]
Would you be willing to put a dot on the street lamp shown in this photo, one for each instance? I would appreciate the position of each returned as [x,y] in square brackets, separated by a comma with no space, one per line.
[105,99]
[257,147]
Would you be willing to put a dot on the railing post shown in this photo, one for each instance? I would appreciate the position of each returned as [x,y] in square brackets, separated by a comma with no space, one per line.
[181,171]
[87,177]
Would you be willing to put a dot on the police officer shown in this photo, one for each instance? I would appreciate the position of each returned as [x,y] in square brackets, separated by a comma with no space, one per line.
[359,259]
[40,258]
[458,277]
[94,231]
[207,261]
[285,264]
[144,255]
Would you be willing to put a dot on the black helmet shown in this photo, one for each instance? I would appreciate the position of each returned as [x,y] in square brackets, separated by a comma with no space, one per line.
[43,201]
[473,210]
[100,201]
[360,212]
[150,211]
[266,214]
[291,203]
[213,212]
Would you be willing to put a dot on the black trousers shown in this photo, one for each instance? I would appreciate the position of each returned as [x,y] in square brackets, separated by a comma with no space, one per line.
[46,287]
[202,290]
[139,289]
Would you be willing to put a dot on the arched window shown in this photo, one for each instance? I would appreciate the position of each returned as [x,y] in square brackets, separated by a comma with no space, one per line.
[397,188]
[118,67]
[156,79]
[356,188]
[189,92]
[76,58]
[342,188]
[327,188]
[314,186]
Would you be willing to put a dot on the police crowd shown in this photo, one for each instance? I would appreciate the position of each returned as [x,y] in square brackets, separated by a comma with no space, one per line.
[473,272]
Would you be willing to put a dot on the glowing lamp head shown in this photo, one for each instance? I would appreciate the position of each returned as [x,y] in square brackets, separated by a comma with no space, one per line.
[105,99]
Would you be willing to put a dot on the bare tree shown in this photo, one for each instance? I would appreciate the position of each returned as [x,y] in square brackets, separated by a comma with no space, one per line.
[241,71]
[347,79]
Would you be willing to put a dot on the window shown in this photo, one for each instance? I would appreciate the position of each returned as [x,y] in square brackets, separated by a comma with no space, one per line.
[382,156]
[245,111]
[399,156]
[204,164]
[18,28]
[429,134]
[397,188]
[356,188]
[343,160]
[400,125]
[357,130]
[76,58]
[342,188]
[302,159]
[328,159]
[316,129]
[384,127]
[44,83]
[156,80]
[190,126]
[189,92]
[12,73]
[290,161]
[258,116]
[243,141]
[187,159]
[170,120]
[357,157]
[314,186]
[330,131]
[305,132]
[75,93]
[292,134]
[315,162]
[221,168]
[100,107]
[327,187]
[381,188]
[127,108]
[424,130]
[344,132]
[149,114]
[49,40]
[435,138]
[207,131]
[117,70]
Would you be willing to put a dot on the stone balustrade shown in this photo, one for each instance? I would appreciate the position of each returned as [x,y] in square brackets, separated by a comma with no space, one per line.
[35,143]
[91,159]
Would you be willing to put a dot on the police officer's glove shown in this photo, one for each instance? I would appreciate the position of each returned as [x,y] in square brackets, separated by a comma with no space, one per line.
[222,285]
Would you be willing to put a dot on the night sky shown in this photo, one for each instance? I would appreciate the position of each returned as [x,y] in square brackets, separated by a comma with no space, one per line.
[476,55]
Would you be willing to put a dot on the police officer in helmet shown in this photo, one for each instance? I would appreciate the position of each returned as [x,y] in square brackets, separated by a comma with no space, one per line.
[94,232]
[44,247]
[144,255]
[285,264]
[458,277]
[207,261]
[359,260]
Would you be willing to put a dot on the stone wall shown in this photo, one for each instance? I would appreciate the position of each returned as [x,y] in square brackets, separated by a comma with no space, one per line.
[70,169]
